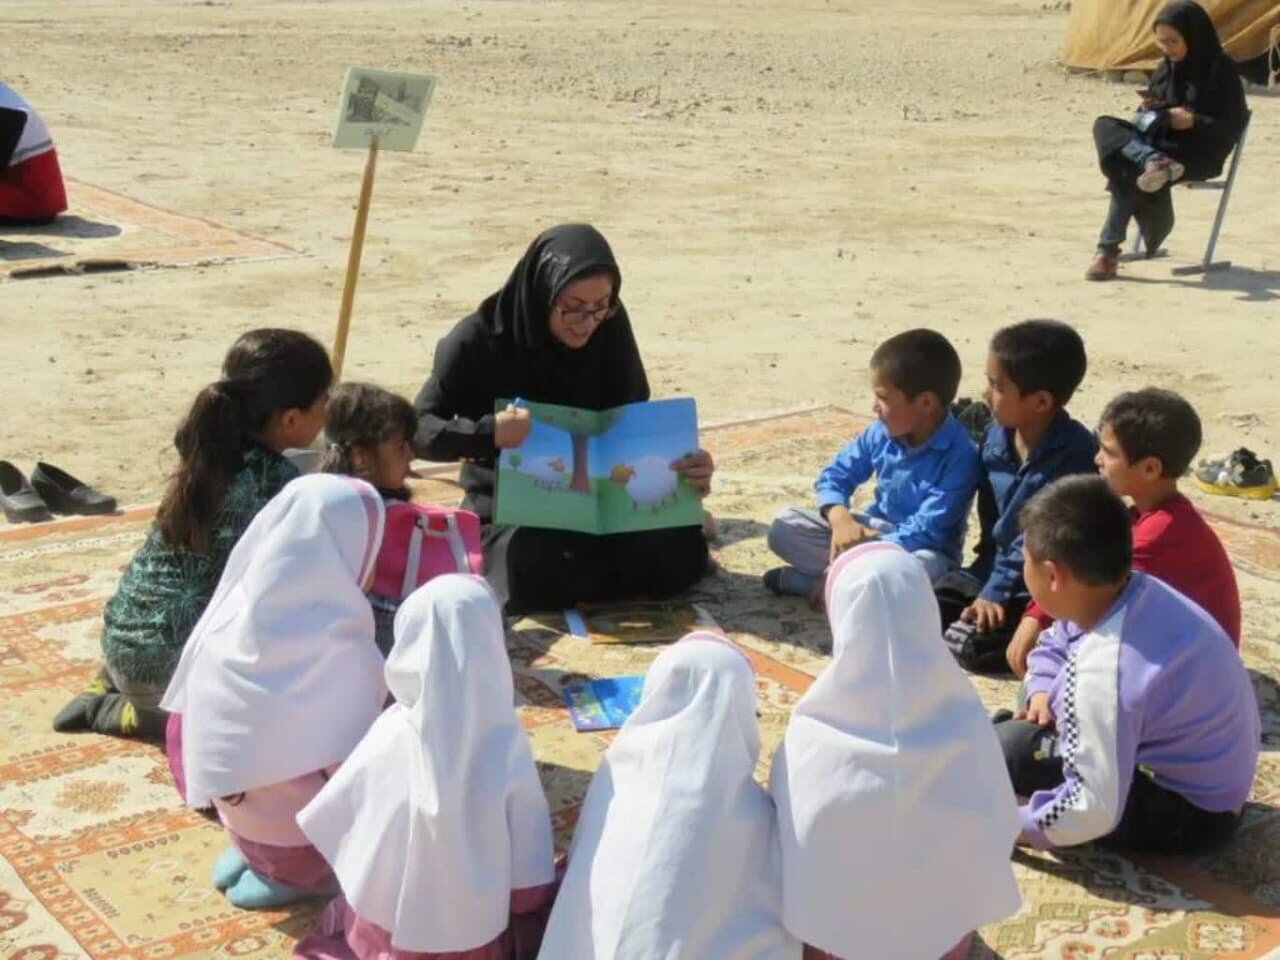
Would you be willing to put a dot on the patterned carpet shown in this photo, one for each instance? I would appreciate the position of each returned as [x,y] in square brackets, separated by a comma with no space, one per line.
[104,230]
[98,859]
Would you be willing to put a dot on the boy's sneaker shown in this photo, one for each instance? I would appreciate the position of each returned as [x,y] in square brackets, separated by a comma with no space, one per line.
[1158,173]
[1241,474]
[790,582]
[974,416]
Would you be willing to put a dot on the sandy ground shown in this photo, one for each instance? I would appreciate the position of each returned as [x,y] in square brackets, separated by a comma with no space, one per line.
[784,183]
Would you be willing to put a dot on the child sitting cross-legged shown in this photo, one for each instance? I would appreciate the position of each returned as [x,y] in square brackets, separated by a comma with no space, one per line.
[271,396]
[1033,369]
[889,761]
[925,465]
[436,825]
[675,853]
[1148,440]
[1141,728]
[279,682]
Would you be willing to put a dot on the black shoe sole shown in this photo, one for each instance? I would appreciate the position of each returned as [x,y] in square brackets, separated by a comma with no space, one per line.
[14,517]
[103,511]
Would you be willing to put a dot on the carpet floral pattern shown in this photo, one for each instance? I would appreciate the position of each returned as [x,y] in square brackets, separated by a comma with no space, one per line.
[99,859]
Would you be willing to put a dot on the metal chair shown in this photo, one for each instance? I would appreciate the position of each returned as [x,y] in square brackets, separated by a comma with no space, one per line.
[1208,264]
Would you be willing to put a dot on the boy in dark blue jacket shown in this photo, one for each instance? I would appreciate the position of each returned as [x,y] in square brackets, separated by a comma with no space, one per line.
[1033,368]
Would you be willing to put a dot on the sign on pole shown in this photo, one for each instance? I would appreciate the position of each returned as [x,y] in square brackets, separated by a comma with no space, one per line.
[378,110]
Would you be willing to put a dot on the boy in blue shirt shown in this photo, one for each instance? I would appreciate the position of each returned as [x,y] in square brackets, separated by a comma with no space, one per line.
[1033,369]
[926,469]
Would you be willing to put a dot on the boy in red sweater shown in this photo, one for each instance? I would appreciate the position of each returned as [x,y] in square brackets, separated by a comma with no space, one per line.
[1148,439]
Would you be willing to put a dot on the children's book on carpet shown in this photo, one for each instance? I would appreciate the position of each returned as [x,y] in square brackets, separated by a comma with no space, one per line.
[642,621]
[603,704]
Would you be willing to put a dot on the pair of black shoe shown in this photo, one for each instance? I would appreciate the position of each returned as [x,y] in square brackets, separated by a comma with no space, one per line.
[49,491]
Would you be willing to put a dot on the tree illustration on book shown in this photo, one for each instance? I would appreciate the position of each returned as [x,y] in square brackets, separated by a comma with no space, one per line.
[581,425]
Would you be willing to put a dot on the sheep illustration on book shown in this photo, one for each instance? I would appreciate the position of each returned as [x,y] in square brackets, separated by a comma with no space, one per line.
[548,472]
[650,481]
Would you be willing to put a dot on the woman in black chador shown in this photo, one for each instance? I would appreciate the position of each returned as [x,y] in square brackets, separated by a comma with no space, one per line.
[555,333]
[1190,119]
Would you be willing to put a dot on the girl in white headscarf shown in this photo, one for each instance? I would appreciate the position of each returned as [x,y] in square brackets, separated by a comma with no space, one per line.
[436,826]
[279,681]
[676,850]
[895,810]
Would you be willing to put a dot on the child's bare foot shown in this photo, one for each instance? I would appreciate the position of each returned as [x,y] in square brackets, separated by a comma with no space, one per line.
[818,596]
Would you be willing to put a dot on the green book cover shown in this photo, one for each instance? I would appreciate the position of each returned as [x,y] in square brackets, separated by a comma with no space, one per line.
[601,471]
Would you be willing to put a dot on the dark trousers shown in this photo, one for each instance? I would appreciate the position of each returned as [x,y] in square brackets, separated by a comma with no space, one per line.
[534,569]
[1155,819]
[975,651]
[1153,211]
[1122,155]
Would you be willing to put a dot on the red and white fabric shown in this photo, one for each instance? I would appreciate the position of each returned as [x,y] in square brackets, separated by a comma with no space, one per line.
[31,185]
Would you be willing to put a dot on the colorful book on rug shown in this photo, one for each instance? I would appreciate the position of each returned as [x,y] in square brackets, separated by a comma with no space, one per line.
[603,704]
[601,471]
[638,622]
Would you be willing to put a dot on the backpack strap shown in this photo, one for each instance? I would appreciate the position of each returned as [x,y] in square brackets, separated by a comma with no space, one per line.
[414,559]
[456,545]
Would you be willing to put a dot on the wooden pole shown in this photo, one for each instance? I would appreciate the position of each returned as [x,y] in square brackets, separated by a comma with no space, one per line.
[353,261]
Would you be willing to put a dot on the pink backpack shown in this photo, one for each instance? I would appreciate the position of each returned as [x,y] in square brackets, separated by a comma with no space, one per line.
[421,542]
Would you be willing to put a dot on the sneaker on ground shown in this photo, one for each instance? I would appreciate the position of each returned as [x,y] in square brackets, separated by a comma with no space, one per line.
[790,582]
[1241,474]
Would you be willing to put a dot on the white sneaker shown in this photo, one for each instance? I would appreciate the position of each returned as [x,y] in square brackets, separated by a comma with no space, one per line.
[1159,173]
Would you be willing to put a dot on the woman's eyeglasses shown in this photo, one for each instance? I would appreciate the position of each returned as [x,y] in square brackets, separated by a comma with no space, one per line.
[580,318]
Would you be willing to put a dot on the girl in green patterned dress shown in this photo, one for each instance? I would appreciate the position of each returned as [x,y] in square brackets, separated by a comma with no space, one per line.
[272,396]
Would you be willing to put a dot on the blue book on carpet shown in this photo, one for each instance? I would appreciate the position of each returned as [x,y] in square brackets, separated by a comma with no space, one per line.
[603,704]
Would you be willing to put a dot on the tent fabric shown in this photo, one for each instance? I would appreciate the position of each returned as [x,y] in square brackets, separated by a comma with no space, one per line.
[1119,35]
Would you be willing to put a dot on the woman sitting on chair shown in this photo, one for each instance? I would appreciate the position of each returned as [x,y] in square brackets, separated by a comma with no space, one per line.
[1190,119]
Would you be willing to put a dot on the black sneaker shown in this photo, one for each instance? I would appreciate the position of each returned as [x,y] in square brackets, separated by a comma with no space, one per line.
[790,582]
[1241,474]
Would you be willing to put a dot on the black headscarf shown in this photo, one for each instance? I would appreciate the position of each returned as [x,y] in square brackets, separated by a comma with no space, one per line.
[1180,83]
[607,371]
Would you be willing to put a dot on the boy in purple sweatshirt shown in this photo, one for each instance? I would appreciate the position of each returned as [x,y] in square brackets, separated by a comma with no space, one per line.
[1141,728]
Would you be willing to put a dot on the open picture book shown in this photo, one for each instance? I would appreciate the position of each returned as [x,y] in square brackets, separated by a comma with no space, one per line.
[601,471]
